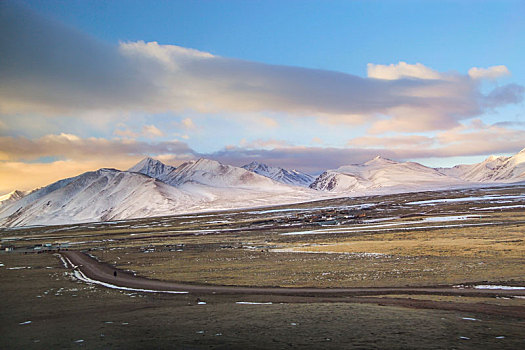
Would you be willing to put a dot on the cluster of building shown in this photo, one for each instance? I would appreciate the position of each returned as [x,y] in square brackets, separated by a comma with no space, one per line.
[38,248]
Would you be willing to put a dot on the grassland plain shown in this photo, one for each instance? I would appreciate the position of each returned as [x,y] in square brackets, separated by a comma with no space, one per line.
[420,239]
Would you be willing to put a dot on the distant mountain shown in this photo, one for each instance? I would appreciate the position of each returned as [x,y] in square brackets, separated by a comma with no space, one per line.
[380,173]
[105,194]
[151,188]
[110,194]
[290,177]
[492,169]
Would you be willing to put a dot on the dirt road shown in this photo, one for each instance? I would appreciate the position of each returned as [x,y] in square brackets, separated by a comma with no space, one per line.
[103,272]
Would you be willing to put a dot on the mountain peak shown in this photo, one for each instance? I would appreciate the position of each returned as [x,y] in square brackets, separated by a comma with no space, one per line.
[205,164]
[13,196]
[206,161]
[151,167]
[380,160]
[290,177]
[256,167]
[494,158]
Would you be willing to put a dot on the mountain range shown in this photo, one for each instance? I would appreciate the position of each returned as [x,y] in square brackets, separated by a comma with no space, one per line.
[151,188]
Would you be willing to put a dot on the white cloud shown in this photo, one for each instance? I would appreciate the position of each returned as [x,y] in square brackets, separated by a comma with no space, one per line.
[151,78]
[401,70]
[188,123]
[493,72]
[151,131]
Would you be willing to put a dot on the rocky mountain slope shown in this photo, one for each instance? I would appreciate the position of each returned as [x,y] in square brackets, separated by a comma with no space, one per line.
[290,177]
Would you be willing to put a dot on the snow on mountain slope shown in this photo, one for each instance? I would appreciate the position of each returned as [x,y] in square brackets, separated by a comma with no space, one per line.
[380,173]
[153,168]
[492,169]
[214,174]
[152,189]
[98,195]
[109,194]
[290,177]
[12,197]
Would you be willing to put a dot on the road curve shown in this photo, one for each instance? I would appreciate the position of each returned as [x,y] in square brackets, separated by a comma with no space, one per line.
[103,272]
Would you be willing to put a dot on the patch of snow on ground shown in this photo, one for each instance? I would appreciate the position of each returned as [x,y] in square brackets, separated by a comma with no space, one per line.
[252,303]
[464,199]
[489,286]
[502,207]
[80,275]
[359,255]
[469,319]
[402,223]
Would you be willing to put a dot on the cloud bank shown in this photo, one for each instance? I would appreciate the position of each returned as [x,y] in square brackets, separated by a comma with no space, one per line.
[50,68]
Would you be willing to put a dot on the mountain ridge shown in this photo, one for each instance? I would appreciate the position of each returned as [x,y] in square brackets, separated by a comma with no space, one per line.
[290,177]
[152,188]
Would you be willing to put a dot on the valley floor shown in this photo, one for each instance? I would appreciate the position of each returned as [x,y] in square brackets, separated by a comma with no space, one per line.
[471,243]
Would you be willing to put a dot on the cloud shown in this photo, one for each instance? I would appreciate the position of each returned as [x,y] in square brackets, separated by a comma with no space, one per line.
[503,95]
[263,144]
[472,139]
[188,123]
[29,163]
[22,176]
[493,72]
[400,71]
[268,122]
[22,158]
[151,131]
[478,138]
[50,68]
[392,141]
[67,146]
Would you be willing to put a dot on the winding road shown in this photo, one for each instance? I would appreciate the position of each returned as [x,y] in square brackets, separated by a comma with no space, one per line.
[105,273]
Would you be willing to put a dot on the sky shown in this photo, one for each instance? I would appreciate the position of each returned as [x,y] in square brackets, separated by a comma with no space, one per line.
[310,85]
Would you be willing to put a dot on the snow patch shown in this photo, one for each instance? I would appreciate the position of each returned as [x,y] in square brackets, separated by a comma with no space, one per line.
[252,303]
[489,286]
[80,275]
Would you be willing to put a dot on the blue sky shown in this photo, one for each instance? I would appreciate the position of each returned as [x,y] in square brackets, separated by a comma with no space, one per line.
[439,82]
[336,35]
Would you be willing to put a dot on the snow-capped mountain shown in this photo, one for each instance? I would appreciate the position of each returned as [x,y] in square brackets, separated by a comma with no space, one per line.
[290,177]
[110,194]
[152,188]
[202,171]
[212,173]
[12,197]
[98,195]
[492,169]
[153,168]
[380,173]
